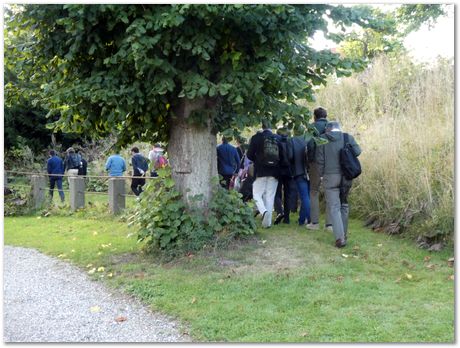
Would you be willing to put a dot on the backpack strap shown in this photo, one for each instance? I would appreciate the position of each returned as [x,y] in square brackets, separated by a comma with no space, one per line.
[345,139]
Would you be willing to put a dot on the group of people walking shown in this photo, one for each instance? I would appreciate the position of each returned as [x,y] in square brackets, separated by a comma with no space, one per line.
[288,169]
[74,164]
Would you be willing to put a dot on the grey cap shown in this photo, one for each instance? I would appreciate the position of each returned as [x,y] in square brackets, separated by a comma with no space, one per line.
[333,126]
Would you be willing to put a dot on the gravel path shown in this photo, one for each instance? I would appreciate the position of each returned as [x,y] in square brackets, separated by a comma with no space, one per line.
[48,300]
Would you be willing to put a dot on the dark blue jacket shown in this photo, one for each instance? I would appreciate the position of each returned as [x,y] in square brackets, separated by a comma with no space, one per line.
[139,162]
[298,165]
[55,165]
[254,152]
[228,160]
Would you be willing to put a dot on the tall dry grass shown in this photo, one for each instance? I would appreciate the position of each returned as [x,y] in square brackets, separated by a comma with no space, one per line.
[402,115]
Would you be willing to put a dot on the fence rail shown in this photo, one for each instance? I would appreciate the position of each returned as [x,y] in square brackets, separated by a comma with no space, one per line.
[116,192]
[82,176]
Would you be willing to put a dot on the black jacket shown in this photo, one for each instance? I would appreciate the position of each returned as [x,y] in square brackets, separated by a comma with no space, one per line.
[255,151]
[298,165]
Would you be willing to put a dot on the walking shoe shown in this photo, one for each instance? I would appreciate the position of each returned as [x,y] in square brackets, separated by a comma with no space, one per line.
[312,226]
[328,227]
[339,243]
[266,220]
[278,219]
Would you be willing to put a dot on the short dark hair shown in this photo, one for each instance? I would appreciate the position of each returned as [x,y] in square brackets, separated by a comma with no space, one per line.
[52,152]
[266,124]
[135,149]
[320,113]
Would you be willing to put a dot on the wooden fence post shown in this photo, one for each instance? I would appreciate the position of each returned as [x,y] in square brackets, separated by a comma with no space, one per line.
[77,192]
[117,199]
[38,190]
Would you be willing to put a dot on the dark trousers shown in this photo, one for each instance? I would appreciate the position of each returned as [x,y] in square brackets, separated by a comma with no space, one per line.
[54,180]
[304,195]
[225,182]
[136,185]
[283,194]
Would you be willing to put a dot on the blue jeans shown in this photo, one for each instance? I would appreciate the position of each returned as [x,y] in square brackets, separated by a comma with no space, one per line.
[304,195]
[58,181]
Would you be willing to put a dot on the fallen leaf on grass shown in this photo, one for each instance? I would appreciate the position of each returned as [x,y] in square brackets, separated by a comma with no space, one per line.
[264,241]
[120,319]
[74,238]
[304,334]
[95,309]
[398,280]
[139,275]
[427,258]
[72,251]
[39,217]
[430,266]
[92,270]
[99,253]
[356,247]
[101,269]
[340,278]
[89,265]
[110,275]
[62,255]
[409,276]
[220,281]
[193,300]
[450,262]
[379,245]
[451,277]
[94,233]
[345,255]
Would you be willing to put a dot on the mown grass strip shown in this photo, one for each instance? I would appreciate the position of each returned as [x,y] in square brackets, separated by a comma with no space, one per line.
[289,285]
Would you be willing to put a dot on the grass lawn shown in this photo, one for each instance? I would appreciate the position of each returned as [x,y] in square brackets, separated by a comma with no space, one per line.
[287,285]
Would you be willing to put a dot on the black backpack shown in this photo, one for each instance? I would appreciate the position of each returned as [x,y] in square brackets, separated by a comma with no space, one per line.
[349,162]
[270,155]
[284,149]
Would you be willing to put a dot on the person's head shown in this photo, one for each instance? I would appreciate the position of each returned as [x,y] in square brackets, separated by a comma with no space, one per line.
[283,131]
[225,140]
[319,113]
[299,130]
[157,145]
[52,153]
[266,124]
[333,126]
[240,140]
[135,150]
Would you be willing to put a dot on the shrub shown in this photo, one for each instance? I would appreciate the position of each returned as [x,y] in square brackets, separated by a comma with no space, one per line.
[168,226]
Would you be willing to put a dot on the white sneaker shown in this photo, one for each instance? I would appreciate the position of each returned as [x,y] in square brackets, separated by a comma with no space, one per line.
[311,226]
[266,220]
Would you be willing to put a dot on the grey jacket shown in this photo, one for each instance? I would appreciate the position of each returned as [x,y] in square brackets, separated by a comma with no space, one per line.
[327,155]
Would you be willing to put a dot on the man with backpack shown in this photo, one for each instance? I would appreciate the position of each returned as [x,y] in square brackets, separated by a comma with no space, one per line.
[299,171]
[336,185]
[228,162]
[264,152]
[140,168]
[320,116]
[72,162]
[283,191]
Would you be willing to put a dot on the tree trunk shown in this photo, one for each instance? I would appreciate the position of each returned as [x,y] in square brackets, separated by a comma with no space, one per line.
[192,153]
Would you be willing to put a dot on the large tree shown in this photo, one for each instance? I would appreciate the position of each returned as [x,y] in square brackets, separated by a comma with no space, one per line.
[179,73]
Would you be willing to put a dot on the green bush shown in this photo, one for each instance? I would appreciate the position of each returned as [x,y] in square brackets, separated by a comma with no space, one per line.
[170,227]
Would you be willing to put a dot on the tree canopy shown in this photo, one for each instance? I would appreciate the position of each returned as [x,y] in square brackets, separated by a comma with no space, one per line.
[120,69]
